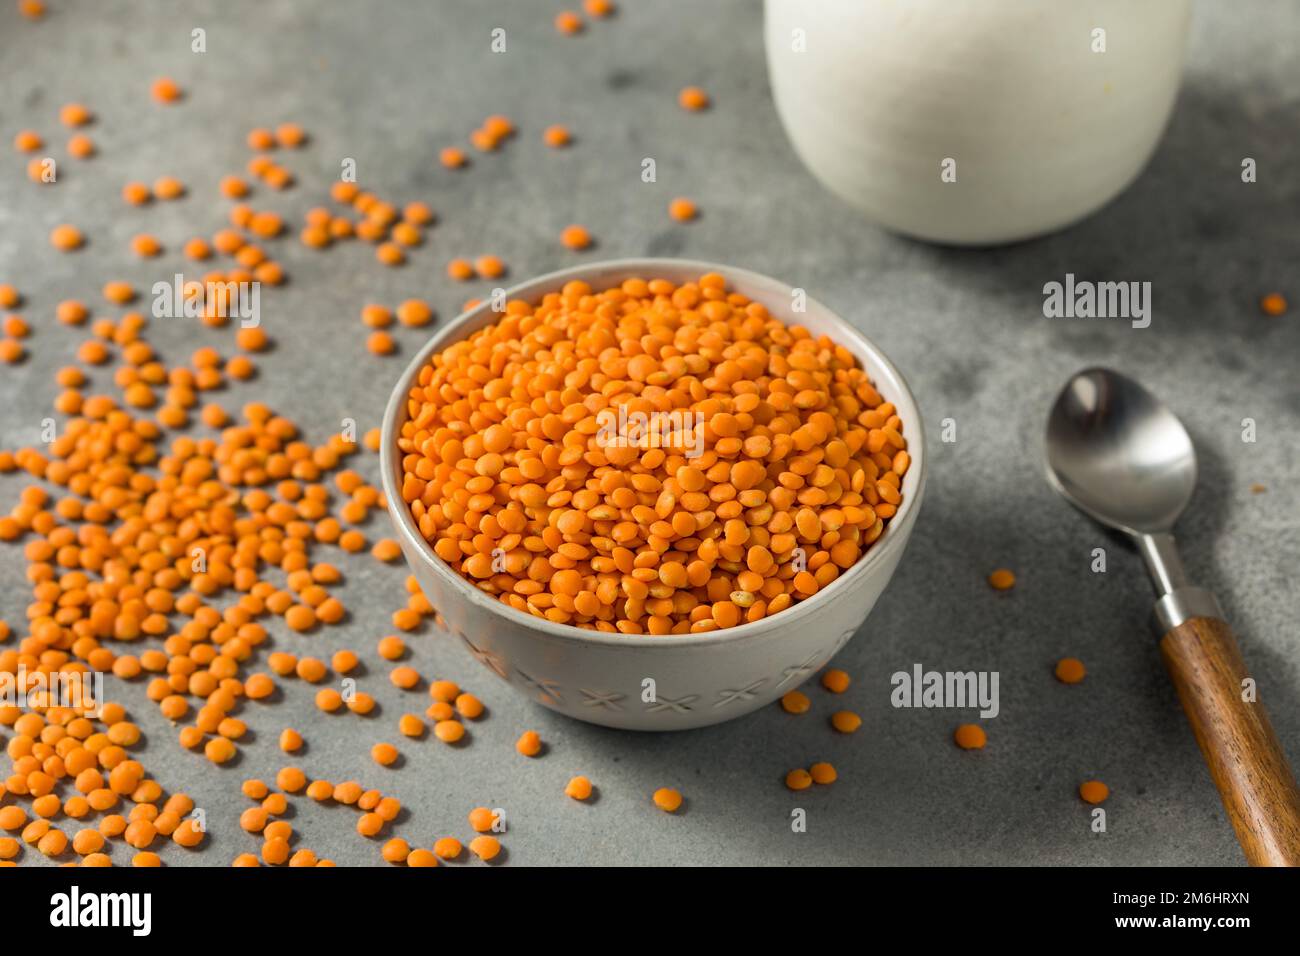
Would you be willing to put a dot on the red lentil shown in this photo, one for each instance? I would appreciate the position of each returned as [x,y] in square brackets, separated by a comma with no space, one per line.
[469,706]
[168,187]
[667,799]
[66,238]
[683,210]
[1272,304]
[822,773]
[555,137]
[529,744]
[1093,791]
[414,313]
[481,819]
[579,788]
[485,848]
[566,21]
[74,114]
[692,98]
[835,681]
[448,848]
[81,146]
[137,194]
[165,90]
[449,731]
[575,237]
[452,157]
[795,702]
[798,779]
[845,721]
[1002,580]
[1070,670]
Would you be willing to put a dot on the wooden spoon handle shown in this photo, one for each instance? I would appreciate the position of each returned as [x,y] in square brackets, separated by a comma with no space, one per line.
[1245,759]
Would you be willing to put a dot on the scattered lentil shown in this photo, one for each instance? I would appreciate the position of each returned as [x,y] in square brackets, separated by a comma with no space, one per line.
[1272,304]
[579,788]
[683,210]
[822,773]
[449,731]
[410,725]
[1070,670]
[1002,580]
[692,98]
[452,157]
[81,146]
[575,237]
[845,721]
[165,90]
[835,681]
[667,799]
[481,819]
[1093,791]
[796,702]
[448,848]
[66,238]
[74,114]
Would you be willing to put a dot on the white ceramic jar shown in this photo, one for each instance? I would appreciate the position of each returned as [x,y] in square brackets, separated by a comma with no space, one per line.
[975,122]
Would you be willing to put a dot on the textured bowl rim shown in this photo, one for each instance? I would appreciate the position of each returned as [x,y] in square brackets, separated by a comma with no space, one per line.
[863,349]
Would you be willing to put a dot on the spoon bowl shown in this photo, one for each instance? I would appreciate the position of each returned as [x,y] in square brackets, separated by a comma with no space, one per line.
[1118,454]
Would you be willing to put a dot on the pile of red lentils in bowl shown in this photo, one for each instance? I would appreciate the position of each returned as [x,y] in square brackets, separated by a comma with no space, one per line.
[649,458]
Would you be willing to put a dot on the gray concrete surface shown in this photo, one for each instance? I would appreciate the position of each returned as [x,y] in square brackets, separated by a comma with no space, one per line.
[391,85]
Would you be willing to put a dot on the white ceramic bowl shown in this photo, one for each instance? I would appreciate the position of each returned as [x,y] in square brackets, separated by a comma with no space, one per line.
[1043,128]
[698,679]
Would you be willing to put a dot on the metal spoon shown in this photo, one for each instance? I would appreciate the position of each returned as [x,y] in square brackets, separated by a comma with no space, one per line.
[1116,453]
